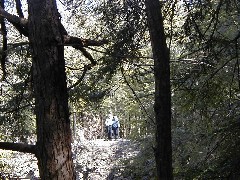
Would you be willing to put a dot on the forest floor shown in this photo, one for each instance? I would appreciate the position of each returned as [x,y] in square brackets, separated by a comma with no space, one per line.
[105,159]
[95,160]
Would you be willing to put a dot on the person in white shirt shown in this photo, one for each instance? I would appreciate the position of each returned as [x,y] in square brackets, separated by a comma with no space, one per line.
[108,126]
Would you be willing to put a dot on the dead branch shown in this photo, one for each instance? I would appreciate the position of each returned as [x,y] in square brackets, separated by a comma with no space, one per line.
[21,24]
[13,18]
[4,43]
[79,44]
[20,147]
[86,68]
[19,8]
[75,41]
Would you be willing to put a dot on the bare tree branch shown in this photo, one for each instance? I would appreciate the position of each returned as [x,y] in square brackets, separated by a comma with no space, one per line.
[21,147]
[87,55]
[4,43]
[70,40]
[86,68]
[89,42]
[79,44]
[13,18]
[21,24]
[19,8]
[15,45]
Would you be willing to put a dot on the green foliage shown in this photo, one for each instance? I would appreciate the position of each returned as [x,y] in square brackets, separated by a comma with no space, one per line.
[141,166]
[203,39]
[123,65]
[125,24]
[16,108]
[205,96]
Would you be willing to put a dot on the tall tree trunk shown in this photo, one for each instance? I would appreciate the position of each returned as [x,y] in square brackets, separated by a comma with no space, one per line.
[162,106]
[50,88]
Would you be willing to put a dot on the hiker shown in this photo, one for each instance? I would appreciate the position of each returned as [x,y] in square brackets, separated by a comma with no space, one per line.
[115,127]
[108,126]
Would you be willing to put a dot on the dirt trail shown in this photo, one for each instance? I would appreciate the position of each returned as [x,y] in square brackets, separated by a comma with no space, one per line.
[100,159]
[94,160]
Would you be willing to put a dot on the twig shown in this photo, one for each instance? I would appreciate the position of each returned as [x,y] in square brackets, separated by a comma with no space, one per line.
[135,95]
[86,68]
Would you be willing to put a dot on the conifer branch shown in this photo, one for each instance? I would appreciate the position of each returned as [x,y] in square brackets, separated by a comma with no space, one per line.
[136,96]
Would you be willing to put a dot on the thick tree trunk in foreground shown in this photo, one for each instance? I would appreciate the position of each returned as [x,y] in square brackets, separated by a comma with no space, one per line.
[50,88]
[162,106]
[46,37]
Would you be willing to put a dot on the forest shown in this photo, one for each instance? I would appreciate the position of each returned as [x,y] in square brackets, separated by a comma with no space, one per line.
[169,70]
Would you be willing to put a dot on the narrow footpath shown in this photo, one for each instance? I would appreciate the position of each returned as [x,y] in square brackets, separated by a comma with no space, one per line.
[103,159]
[98,159]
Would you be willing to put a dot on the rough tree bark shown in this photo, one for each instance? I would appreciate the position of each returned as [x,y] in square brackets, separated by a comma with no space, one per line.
[50,88]
[47,38]
[162,106]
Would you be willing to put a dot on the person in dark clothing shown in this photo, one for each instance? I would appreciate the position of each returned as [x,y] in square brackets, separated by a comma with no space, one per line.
[115,127]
